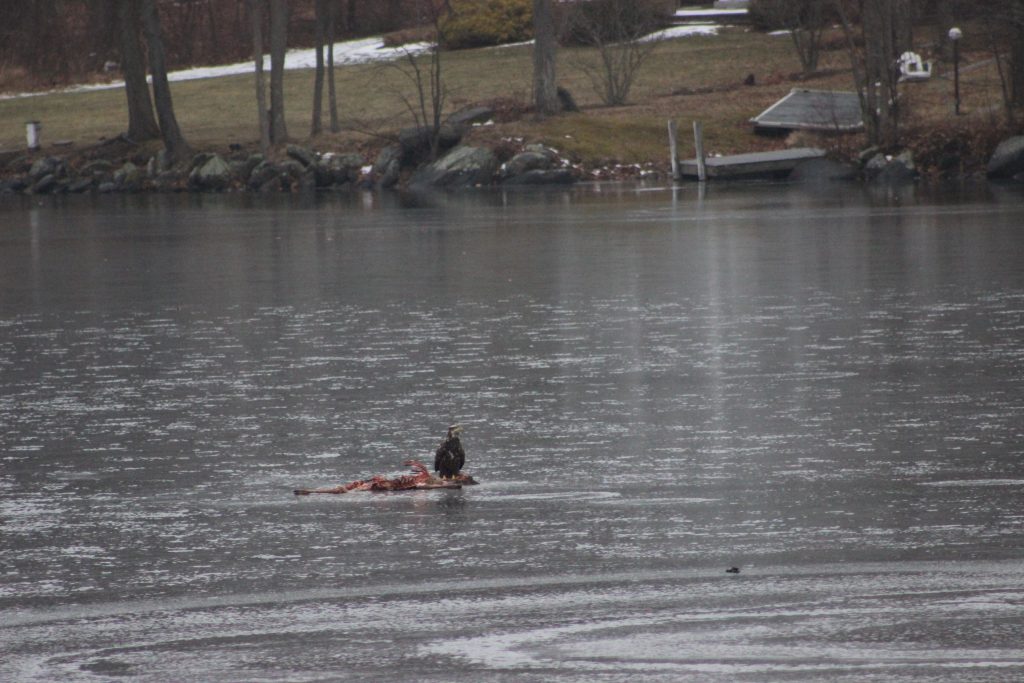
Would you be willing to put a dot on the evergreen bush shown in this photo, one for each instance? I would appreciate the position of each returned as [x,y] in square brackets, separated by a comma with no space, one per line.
[482,23]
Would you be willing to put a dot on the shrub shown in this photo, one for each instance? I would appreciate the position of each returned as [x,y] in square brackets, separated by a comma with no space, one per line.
[954,148]
[587,23]
[785,15]
[481,23]
[616,29]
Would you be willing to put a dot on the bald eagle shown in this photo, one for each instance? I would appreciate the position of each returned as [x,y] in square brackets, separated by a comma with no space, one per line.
[450,456]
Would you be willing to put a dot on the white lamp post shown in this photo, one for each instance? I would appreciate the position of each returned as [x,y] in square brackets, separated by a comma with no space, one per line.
[955,34]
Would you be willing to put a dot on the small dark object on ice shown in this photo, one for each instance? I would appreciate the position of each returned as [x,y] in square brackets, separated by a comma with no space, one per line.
[732,570]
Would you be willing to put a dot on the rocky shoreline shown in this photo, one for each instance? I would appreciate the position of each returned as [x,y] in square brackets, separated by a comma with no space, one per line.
[297,168]
[406,164]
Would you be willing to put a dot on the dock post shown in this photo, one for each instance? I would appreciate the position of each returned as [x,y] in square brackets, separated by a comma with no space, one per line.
[673,155]
[698,144]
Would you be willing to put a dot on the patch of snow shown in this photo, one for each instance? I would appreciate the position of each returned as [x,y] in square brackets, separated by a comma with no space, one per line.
[349,52]
[685,13]
[683,32]
[504,45]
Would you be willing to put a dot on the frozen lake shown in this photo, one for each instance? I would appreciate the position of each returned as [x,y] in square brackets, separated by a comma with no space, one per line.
[823,388]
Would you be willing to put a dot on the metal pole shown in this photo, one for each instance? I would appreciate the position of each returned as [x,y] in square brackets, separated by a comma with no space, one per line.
[956,76]
[955,34]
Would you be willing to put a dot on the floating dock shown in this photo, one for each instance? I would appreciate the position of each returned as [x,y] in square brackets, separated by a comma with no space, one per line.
[777,164]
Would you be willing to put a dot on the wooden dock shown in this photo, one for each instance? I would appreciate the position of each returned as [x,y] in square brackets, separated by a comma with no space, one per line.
[776,164]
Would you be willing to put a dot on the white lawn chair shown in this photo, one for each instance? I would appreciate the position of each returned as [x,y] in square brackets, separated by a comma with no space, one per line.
[913,68]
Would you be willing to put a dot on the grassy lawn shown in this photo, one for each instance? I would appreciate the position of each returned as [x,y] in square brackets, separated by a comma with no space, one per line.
[685,79]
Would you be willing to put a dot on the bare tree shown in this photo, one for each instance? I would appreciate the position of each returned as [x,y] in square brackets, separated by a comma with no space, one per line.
[617,30]
[545,91]
[332,98]
[1004,26]
[174,141]
[278,45]
[1015,15]
[256,14]
[805,20]
[883,34]
[426,76]
[318,74]
[141,122]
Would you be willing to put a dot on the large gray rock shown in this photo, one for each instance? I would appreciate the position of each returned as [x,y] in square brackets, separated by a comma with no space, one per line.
[96,168]
[80,185]
[46,166]
[464,166]
[292,176]
[263,175]
[214,174]
[302,155]
[465,118]
[197,161]
[291,169]
[339,169]
[891,169]
[250,163]
[868,154]
[415,142]
[1008,159]
[128,178]
[387,166]
[525,161]
[45,185]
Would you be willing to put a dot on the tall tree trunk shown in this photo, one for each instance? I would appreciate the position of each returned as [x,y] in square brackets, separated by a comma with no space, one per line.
[902,26]
[545,91]
[174,141]
[332,98]
[278,45]
[141,121]
[856,64]
[1017,52]
[350,16]
[256,15]
[318,75]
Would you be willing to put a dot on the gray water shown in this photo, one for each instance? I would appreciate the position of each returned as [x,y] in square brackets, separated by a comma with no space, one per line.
[825,389]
